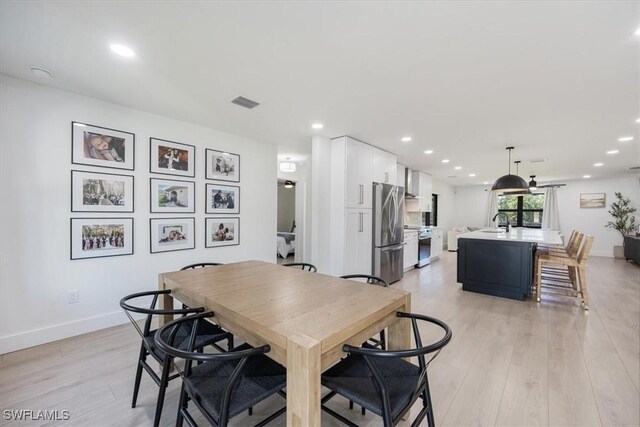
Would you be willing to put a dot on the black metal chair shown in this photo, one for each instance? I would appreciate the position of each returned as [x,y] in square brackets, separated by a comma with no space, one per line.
[372,280]
[200,265]
[303,266]
[224,384]
[209,334]
[382,381]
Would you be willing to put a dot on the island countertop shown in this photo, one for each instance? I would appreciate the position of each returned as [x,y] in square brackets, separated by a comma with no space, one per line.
[531,235]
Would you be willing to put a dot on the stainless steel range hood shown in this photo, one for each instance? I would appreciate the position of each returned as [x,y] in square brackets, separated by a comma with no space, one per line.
[408,184]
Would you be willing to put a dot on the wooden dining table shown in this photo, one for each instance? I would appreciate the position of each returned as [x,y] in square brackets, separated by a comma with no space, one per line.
[305,318]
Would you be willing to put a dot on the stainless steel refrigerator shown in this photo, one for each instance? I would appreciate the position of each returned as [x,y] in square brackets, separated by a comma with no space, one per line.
[388,232]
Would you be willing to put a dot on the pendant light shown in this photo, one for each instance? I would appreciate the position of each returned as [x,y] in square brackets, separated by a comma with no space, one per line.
[509,183]
[519,192]
[533,185]
[288,165]
[289,184]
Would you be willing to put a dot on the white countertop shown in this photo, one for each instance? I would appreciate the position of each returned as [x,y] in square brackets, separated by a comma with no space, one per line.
[534,235]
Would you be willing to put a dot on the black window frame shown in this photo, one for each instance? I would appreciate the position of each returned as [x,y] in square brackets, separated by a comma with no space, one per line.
[519,211]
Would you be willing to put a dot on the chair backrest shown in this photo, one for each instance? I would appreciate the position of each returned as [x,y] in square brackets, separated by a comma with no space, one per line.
[583,253]
[372,280]
[200,265]
[571,237]
[574,243]
[151,309]
[370,356]
[302,265]
[165,337]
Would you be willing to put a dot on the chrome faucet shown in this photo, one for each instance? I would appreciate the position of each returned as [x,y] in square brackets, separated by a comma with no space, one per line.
[505,217]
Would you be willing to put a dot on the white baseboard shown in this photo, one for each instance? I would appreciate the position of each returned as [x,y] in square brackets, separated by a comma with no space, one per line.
[608,254]
[10,343]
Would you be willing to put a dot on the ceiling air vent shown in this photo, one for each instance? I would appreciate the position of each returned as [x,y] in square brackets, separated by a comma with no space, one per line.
[245,102]
[452,176]
[634,168]
[537,161]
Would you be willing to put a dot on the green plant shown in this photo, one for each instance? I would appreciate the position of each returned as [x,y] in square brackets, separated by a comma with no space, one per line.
[622,212]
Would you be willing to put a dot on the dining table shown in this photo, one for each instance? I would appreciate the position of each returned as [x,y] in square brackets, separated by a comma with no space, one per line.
[304,317]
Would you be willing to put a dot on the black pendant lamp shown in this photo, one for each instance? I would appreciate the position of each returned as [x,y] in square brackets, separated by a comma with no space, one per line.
[509,183]
[533,185]
[519,192]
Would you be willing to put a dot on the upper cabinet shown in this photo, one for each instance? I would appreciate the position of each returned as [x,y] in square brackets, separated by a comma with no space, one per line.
[400,175]
[358,167]
[422,189]
[384,167]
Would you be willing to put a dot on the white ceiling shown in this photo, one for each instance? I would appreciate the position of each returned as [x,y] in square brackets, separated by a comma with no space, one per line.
[558,80]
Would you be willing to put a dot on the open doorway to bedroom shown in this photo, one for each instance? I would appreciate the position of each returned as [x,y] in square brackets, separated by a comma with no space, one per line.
[286,237]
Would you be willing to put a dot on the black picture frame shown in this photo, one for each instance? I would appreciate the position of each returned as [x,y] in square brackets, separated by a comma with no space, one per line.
[210,172]
[73,232]
[78,173]
[153,154]
[211,221]
[78,147]
[208,201]
[171,220]
[155,209]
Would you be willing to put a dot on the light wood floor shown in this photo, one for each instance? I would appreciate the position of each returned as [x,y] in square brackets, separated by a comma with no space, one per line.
[509,362]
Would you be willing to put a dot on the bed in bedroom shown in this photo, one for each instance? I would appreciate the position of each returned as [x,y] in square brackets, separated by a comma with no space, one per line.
[285,244]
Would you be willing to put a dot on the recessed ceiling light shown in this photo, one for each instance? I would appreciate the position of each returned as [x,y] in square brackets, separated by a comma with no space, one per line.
[428,151]
[613,151]
[638,32]
[486,182]
[458,168]
[122,50]
[638,120]
[406,139]
[40,72]
[445,160]
[598,164]
[317,125]
[586,176]
[472,175]
[625,139]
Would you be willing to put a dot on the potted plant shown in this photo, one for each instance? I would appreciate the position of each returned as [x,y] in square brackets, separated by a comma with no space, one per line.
[623,222]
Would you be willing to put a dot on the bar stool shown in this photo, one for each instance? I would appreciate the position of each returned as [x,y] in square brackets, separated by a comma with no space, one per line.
[577,279]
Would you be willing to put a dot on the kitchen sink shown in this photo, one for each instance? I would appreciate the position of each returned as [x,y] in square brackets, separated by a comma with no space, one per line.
[492,231]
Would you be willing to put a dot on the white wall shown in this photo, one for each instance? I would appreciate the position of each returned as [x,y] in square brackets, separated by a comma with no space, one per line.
[320,203]
[35,271]
[286,208]
[471,202]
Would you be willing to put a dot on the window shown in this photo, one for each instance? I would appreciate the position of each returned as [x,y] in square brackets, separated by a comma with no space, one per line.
[523,211]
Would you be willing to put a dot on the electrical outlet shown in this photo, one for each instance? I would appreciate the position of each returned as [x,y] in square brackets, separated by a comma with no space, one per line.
[73,297]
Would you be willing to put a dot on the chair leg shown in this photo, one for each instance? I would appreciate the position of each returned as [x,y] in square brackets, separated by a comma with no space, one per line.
[538,279]
[427,394]
[250,410]
[364,411]
[164,381]
[582,277]
[383,341]
[136,384]
[182,405]
[351,404]
[230,342]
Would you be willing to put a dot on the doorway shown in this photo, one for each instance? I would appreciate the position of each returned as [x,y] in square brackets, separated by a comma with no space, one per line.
[286,241]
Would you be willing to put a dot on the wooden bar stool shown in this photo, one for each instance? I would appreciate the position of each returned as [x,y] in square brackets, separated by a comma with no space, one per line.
[571,250]
[576,283]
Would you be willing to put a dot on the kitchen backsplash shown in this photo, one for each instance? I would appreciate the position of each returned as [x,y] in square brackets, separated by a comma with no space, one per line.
[413,218]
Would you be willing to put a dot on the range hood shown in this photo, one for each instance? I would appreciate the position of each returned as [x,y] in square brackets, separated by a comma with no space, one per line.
[408,184]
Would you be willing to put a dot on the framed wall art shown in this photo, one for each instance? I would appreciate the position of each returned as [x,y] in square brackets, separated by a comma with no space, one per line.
[101,237]
[222,199]
[172,196]
[172,234]
[172,158]
[222,166]
[592,200]
[222,232]
[97,146]
[101,192]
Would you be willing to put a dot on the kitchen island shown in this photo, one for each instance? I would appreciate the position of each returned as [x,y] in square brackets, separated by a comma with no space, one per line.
[494,262]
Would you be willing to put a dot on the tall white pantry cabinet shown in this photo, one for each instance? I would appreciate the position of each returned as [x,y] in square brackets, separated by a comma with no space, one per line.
[355,166]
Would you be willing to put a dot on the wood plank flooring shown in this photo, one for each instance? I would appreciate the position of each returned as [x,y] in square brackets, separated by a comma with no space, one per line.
[509,363]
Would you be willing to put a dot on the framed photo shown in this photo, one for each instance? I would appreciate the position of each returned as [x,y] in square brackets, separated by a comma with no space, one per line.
[222,166]
[222,232]
[172,234]
[593,200]
[172,196]
[103,147]
[101,237]
[101,192]
[172,158]
[222,199]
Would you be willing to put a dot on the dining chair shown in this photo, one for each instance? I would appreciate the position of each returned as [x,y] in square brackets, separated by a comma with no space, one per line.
[372,280]
[302,265]
[383,381]
[208,334]
[200,265]
[224,384]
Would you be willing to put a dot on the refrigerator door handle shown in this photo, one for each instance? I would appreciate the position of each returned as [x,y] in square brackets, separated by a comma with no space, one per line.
[386,177]
[361,201]
[392,248]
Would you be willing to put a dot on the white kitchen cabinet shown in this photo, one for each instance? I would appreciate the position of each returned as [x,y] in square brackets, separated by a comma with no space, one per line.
[358,169]
[436,243]
[422,189]
[410,249]
[400,170]
[384,167]
[358,241]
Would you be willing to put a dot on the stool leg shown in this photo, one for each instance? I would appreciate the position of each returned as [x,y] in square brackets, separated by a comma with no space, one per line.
[583,285]
[538,279]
